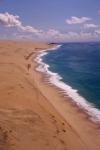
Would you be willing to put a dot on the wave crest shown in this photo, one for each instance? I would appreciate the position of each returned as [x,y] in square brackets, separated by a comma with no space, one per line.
[55,79]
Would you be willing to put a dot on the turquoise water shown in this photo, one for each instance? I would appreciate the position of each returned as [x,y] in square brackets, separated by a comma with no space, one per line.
[79,66]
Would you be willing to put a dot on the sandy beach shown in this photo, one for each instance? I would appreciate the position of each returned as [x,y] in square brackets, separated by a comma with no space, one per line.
[35,115]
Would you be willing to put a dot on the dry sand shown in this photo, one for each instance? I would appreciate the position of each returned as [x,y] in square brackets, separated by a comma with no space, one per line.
[33,114]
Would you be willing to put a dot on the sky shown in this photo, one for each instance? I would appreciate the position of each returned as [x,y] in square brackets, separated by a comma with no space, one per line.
[50,20]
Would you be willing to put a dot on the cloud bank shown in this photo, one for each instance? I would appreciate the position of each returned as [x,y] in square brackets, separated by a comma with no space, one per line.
[10,21]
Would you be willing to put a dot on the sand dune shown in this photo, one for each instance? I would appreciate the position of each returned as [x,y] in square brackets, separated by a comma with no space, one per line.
[33,115]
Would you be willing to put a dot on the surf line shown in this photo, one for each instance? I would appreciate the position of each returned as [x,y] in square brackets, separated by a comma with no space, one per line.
[56,80]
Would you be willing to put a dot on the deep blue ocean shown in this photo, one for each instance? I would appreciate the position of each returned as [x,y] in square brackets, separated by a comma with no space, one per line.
[79,66]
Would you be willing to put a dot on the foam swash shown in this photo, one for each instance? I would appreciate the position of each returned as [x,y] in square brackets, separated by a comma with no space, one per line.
[57,78]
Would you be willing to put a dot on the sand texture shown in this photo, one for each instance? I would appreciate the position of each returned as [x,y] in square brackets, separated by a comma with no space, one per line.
[33,114]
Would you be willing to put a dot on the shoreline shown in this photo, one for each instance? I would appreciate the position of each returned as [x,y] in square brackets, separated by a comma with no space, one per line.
[87,108]
[77,118]
[33,113]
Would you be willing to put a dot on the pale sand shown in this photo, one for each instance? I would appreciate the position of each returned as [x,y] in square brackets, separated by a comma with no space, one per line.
[33,114]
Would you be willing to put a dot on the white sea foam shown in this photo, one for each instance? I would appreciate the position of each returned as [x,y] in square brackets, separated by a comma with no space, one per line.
[55,79]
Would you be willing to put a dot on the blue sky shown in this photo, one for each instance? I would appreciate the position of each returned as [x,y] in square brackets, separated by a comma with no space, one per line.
[50,18]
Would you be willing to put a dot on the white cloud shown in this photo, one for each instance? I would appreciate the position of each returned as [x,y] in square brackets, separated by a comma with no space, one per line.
[90,25]
[77,20]
[30,29]
[53,33]
[50,34]
[10,20]
[97,31]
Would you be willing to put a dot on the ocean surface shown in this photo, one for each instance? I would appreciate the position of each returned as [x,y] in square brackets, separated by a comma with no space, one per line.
[75,69]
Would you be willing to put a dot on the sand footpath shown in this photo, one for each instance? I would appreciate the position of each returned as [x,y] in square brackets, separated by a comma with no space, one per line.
[33,114]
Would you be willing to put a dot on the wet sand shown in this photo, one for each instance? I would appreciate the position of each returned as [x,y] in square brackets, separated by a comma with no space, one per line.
[33,114]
